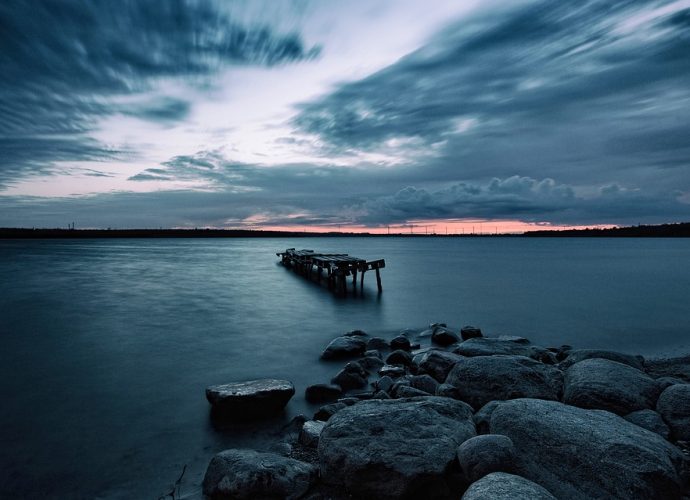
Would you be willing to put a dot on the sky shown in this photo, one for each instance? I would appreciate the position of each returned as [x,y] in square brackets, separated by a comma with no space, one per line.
[361,115]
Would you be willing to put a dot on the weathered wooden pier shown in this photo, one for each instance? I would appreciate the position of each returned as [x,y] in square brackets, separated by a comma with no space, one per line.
[338,267]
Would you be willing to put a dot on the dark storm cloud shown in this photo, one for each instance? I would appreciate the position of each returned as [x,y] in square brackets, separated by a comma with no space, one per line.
[588,93]
[61,60]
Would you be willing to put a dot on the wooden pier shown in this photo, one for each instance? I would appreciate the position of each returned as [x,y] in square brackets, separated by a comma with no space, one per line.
[338,267]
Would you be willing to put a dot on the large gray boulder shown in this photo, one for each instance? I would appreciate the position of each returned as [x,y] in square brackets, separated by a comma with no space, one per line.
[577,355]
[400,448]
[240,474]
[502,486]
[437,364]
[505,345]
[674,408]
[345,347]
[482,379]
[603,384]
[250,399]
[650,420]
[678,368]
[577,453]
[482,455]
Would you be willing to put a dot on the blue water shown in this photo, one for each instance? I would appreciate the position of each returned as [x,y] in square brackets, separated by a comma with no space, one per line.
[107,345]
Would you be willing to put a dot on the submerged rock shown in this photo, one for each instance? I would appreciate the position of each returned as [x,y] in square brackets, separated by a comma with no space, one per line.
[577,355]
[502,486]
[482,455]
[577,453]
[345,347]
[609,385]
[250,399]
[251,474]
[650,420]
[356,333]
[395,448]
[485,378]
[674,407]
[322,393]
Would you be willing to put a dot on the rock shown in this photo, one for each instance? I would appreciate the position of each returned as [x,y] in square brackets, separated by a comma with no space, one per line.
[372,353]
[384,384]
[392,371]
[577,453]
[514,338]
[444,337]
[482,418]
[424,383]
[250,399]
[400,342]
[377,343]
[578,355]
[399,357]
[309,435]
[406,391]
[356,333]
[251,474]
[470,332]
[327,411]
[348,401]
[400,448]
[482,455]
[485,378]
[650,420]
[437,364]
[546,357]
[433,326]
[448,391]
[674,408]
[344,347]
[401,382]
[322,393]
[352,376]
[603,384]
[502,486]
[371,363]
[678,368]
[381,395]
[486,346]
[363,395]
[665,382]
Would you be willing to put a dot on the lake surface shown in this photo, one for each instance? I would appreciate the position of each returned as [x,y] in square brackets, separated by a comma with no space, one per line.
[108,345]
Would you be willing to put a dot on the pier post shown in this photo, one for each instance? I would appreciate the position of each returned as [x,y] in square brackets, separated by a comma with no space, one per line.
[378,280]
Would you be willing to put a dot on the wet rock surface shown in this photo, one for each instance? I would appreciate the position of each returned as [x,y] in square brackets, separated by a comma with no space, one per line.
[577,355]
[674,408]
[650,420]
[482,455]
[345,347]
[250,399]
[502,486]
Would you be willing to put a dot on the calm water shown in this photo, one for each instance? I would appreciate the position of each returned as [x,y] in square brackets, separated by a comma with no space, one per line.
[107,346]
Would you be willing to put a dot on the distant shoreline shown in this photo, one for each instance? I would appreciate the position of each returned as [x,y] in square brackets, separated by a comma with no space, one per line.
[680,230]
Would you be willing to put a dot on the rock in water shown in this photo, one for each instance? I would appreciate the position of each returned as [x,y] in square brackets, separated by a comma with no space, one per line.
[345,347]
[674,407]
[400,342]
[394,448]
[650,420]
[578,355]
[444,336]
[602,384]
[577,453]
[486,378]
[251,474]
[502,486]
[470,332]
[352,376]
[482,455]
[250,399]
[509,346]
[399,357]
[322,393]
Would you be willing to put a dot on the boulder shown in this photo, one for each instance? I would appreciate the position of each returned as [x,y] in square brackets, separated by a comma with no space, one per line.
[424,383]
[678,368]
[311,430]
[578,453]
[437,364]
[372,353]
[352,376]
[650,420]
[398,448]
[482,455]
[400,342]
[603,384]
[392,371]
[356,333]
[444,337]
[485,378]
[377,343]
[470,332]
[322,393]
[448,391]
[406,391]
[577,355]
[674,408]
[399,357]
[488,346]
[250,399]
[384,384]
[381,395]
[344,347]
[482,417]
[250,474]
[371,363]
[327,411]
[502,486]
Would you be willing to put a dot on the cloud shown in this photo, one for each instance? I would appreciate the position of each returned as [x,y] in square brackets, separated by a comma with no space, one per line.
[62,62]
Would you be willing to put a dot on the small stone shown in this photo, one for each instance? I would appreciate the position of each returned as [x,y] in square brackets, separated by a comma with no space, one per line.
[309,435]
[352,376]
[381,395]
[356,333]
[400,342]
[322,393]
[444,337]
[327,411]
[392,371]
[448,391]
[372,353]
[371,364]
[377,343]
[437,364]
[399,357]
[482,455]
[344,347]
[384,383]
[503,486]
[470,332]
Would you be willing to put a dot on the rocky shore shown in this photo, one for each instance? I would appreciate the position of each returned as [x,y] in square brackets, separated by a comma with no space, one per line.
[453,414]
